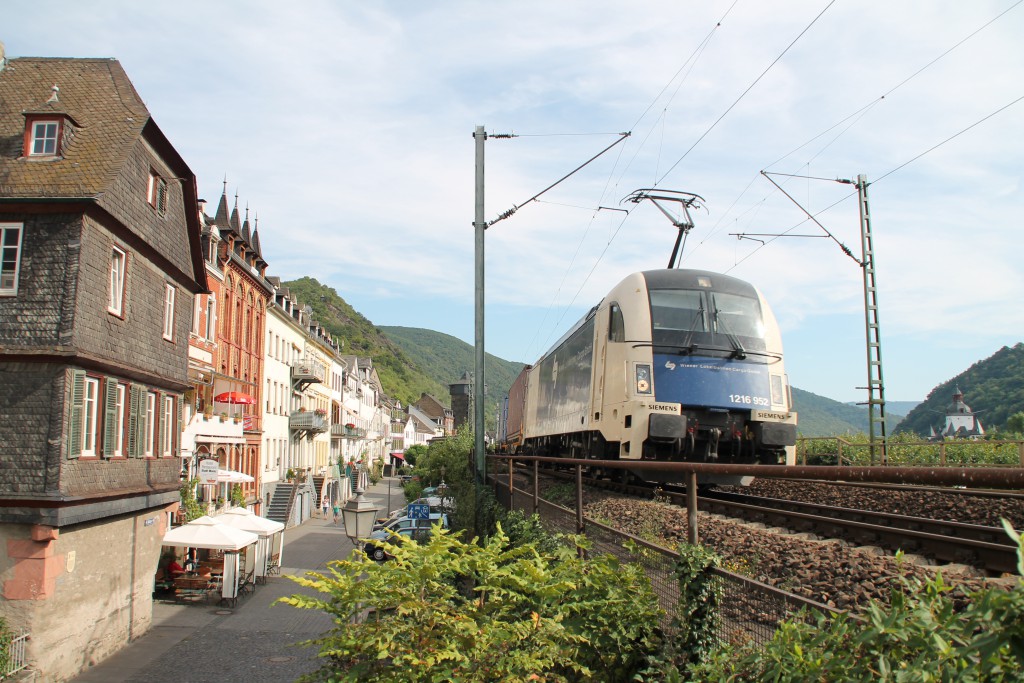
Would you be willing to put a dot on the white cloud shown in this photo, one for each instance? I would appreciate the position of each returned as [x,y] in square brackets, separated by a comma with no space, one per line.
[347,127]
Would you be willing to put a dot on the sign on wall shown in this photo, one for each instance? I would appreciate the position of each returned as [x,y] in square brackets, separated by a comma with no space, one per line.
[207,471]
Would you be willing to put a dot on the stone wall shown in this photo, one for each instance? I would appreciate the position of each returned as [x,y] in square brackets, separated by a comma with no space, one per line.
[82,592]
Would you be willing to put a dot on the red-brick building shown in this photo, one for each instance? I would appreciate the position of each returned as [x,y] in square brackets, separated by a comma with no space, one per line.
[245,294]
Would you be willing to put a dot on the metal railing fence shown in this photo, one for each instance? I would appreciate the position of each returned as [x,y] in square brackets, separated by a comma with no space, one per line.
[749,611]
[16,656]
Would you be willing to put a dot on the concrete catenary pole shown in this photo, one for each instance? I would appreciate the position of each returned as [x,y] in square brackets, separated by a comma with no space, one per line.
[479,225]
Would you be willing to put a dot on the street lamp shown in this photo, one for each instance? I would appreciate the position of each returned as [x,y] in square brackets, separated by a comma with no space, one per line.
[359,515]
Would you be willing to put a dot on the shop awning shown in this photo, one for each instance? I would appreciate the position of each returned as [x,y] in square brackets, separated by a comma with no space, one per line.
[234,397]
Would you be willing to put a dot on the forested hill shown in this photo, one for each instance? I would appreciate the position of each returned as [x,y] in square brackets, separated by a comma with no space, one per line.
[820,416]
[445,359]
[993,388]
[401,376]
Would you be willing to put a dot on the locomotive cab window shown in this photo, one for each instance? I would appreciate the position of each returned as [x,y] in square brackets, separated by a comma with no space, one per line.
[616,326]
[682,318]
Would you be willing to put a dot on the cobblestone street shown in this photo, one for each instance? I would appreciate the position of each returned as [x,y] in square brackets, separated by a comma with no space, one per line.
[253,641]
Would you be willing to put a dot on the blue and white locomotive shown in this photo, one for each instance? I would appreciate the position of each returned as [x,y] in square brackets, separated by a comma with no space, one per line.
[672,365]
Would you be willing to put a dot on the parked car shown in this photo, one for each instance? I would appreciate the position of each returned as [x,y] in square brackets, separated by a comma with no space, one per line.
[437,505]
[375,547]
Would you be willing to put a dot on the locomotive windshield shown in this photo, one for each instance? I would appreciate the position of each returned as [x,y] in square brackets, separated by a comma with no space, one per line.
[712,321]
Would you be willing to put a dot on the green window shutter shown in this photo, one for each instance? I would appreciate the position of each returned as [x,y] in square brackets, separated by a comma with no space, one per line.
[76,403]
[109,418]
[176,444]
[161,434]
[135,422]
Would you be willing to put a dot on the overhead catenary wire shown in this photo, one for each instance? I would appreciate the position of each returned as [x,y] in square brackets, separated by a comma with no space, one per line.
[881,177]
[744,93]
[853,119]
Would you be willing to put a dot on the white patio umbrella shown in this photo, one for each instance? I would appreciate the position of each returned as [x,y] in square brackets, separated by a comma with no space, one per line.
[233,477]
[209,533]
[241,518]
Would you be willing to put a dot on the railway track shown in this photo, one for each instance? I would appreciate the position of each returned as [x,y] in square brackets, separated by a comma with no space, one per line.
[986,548]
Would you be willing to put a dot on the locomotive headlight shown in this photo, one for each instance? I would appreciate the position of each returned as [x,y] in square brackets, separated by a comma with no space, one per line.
[777,394]
[643,379]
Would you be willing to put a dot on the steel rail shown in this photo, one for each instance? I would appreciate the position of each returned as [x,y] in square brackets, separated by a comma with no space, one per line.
[986,477]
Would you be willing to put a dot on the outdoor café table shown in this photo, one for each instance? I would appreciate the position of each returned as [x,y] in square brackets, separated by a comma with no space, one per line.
[191,587]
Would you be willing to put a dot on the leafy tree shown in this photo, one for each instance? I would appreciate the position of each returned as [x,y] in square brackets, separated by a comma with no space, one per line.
[1015,423]
[524,616]
[414,453]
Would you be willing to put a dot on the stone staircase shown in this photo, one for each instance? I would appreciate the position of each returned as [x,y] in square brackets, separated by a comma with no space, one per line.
[318,489]
[279,503]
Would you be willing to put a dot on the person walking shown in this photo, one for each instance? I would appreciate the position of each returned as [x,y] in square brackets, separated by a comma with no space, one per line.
[337,513]
[325,506]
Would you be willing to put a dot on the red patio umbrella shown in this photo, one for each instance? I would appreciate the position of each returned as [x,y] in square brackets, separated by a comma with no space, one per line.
[235,397]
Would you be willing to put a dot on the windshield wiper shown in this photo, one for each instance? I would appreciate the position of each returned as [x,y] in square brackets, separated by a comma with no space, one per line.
[737,348]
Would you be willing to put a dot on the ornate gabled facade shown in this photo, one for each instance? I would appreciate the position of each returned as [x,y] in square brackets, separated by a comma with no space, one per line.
[245,295]
[960,422]
[100,266]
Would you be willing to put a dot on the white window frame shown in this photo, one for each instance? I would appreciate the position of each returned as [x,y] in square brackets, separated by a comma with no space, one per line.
[149,444]
[90,414]
[169,293]
[41,136]
[119,447]
[118,267]
[211,317]
[197,315]
[166,444]
[9,278]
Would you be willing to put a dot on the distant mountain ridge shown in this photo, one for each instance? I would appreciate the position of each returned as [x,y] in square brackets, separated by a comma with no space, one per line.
[993,388]
[820,416]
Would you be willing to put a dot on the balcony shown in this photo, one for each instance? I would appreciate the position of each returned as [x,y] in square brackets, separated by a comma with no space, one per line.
[340,431]
[306,372]
[311,423]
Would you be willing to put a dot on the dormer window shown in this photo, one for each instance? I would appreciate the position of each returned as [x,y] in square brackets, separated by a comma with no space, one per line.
[44,138]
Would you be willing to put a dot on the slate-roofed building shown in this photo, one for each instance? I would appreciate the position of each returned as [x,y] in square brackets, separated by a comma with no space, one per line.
[440,413]
[100,261]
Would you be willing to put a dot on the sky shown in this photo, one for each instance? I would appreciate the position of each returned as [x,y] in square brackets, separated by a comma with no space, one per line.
[347,127]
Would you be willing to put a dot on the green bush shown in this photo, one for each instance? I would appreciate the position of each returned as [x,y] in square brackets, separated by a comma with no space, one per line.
[920,637]
[189,505]
[6,636]
[525,616]
[237,496]
[907,449]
